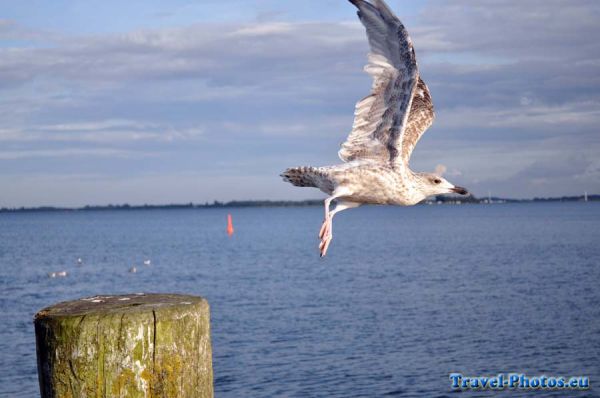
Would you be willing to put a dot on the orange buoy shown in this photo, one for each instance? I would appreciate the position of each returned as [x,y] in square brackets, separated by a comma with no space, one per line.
[229,225]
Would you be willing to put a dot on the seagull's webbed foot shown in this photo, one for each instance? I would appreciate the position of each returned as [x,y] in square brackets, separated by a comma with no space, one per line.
[326,236]
[324,228]
[324,245]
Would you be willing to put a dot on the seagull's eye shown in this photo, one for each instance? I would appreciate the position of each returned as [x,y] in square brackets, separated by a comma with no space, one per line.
[437,181]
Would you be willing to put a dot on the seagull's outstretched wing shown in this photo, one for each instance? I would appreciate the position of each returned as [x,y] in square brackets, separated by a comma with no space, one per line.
[419,119]
[381,118]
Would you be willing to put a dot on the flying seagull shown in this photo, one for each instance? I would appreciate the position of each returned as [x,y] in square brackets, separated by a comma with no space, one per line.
[387,125]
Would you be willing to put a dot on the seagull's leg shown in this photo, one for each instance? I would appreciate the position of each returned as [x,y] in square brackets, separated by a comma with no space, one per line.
[328,236]
[326,221]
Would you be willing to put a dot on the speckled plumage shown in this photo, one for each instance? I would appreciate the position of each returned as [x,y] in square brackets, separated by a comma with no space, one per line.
[388,123]
[365,181]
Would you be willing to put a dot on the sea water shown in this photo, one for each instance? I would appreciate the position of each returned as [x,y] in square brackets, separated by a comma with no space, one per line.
[404,298]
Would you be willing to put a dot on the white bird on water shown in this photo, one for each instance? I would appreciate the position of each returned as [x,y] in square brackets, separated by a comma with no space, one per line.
[387,125]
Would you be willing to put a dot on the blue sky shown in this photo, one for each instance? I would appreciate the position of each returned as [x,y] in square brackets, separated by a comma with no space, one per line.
[148,102]
[97,17]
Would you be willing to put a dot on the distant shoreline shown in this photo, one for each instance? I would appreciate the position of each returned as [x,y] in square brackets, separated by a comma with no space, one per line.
[454,200]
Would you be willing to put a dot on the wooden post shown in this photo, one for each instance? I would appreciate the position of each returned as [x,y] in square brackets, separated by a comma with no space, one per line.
[137,345]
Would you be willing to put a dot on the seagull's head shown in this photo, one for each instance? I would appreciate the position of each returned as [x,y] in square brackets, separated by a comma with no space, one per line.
[433,184]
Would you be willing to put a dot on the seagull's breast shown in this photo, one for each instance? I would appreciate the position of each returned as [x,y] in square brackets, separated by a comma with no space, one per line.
[376,184]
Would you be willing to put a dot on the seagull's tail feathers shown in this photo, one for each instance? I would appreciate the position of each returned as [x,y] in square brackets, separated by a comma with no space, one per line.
[307,176]
[300,176]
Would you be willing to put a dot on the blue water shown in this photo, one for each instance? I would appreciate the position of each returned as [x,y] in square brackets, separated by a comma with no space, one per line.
[405,296]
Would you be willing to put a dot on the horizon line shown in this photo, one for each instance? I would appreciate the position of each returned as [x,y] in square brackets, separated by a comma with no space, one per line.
[451,199]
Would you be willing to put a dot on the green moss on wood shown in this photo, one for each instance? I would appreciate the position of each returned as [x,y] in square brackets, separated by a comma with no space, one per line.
[153,345]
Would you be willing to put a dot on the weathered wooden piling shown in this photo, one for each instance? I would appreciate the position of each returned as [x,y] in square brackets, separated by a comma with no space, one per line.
[138,345]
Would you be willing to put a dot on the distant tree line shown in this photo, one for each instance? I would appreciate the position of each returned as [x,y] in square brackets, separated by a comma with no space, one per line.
[445,199]
[214,204]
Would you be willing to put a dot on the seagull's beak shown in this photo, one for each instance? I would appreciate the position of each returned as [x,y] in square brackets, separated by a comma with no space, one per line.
[459,190]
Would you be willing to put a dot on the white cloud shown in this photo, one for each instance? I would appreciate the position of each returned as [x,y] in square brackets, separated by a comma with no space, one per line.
[570,116]
[71,152]
[111,131]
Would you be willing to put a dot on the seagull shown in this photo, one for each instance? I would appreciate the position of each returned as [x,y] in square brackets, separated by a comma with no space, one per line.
[147,262]
[388,123]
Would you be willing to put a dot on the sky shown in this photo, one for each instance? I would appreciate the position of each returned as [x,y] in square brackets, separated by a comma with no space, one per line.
[193,101]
